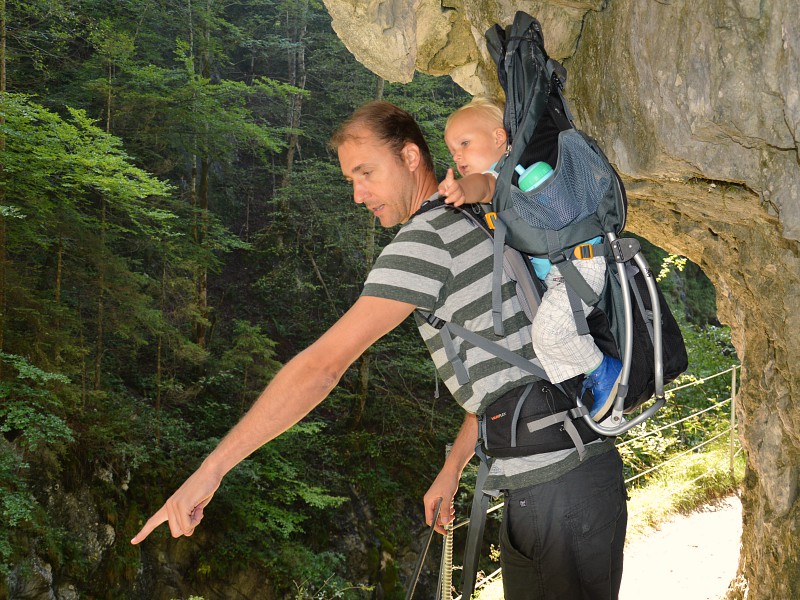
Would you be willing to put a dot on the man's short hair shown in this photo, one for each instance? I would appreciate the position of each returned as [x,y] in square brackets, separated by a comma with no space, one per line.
[488,108]
[390,124]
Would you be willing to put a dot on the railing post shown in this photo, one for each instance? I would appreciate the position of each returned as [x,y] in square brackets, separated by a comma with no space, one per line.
[733,417]
[446,564]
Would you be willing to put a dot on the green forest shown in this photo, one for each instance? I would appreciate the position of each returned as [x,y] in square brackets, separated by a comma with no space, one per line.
[173,228]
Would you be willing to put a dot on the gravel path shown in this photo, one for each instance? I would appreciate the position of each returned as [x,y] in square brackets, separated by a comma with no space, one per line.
[691,557]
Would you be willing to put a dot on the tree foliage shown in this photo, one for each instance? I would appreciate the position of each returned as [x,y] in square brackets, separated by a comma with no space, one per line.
[146,198]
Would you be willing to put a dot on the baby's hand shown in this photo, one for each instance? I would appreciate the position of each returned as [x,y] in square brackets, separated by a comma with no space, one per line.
[451,189]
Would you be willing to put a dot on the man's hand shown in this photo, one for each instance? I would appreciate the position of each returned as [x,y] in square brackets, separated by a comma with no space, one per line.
[184,510]
[444,487]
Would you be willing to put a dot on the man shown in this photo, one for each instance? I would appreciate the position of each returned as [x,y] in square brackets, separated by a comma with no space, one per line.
[438,262]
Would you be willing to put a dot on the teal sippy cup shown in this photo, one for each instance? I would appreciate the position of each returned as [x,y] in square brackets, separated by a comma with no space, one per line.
[534,176]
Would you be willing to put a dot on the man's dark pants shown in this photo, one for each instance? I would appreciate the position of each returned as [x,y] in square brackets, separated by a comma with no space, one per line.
[564,539]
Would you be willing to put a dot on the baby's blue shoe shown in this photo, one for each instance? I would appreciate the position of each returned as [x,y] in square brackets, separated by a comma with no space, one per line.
[603,382]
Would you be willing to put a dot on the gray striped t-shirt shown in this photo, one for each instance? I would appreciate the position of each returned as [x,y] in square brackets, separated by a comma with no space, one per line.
[441,262]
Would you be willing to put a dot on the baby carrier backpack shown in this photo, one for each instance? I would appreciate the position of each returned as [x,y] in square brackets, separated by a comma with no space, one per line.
[583,199]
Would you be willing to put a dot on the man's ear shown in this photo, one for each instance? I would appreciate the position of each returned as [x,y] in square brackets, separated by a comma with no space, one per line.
[411,156]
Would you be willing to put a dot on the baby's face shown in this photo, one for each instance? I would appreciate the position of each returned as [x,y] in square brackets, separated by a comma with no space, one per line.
[475,143]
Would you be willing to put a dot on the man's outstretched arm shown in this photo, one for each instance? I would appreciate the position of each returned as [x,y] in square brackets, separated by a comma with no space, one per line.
[297,388]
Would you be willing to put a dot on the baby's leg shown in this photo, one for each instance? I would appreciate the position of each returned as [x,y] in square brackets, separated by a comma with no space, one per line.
[562,352]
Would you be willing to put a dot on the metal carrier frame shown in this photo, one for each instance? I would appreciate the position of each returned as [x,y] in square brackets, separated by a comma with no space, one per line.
[624,250]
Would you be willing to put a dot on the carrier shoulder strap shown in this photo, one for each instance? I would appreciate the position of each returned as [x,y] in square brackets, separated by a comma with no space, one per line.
[514,264]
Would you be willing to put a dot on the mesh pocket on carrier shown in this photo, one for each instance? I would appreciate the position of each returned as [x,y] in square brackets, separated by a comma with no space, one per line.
[580,181]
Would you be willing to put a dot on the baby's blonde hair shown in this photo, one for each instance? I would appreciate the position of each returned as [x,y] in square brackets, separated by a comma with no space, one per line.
[485,106]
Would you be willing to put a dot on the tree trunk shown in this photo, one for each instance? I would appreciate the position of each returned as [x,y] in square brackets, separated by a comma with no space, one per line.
[321,279]
[369,258]
[84,353]
[297,78]
[99,347]
[59,269]
[364,362]
[203,309]
[244,395]
[160,349]
[2,46]
[109,95]
[2,190]
[200,188]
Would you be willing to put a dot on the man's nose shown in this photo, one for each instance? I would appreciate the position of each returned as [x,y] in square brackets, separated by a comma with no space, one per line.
[359,193]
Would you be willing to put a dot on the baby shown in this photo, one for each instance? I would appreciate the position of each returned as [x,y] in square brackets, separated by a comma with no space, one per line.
[477,140]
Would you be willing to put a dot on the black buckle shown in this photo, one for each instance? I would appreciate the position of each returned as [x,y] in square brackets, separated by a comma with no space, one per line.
[558,257]
[435,321]
[577,413]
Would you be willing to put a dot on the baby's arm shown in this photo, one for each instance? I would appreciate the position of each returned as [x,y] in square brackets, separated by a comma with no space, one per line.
[474,188]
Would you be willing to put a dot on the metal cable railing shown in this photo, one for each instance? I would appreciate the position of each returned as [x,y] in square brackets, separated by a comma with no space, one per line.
[672,424]
[675,457]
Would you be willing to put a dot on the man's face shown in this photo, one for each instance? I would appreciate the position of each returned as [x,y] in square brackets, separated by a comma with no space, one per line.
[381,181]
[474,142]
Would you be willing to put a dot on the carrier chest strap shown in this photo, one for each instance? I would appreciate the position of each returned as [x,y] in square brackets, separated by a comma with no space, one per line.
[587,251]
[452,356]
[531,366]
[578,252]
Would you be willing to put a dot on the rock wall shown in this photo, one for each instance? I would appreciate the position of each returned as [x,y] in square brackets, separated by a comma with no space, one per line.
[698,106]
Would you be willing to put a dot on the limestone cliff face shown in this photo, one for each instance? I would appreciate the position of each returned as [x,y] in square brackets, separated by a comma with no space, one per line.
[698,105]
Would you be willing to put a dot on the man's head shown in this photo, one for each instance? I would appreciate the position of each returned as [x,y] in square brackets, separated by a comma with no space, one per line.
[475,136]
[384,155]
